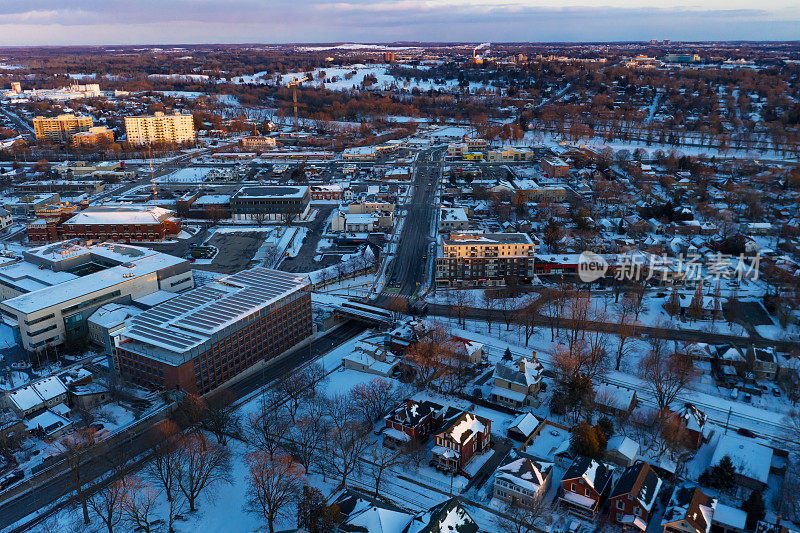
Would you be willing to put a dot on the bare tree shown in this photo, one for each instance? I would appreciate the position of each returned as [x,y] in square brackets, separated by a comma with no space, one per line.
[221,416]
[666,376]
[525,316]
[380,459]
[461,300]
[266,429]
[139,503]
[521,517]
[375,399]
[308,434]
[164,465]
[191,412]
[346,437]
[489,301]
[430,355]
[200,465]
[107,502]
[274,483]
[75,447]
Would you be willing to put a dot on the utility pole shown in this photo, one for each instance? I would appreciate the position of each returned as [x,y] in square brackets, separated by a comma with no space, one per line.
[728,419]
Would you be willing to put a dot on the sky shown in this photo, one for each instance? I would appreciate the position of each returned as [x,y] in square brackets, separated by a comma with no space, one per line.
[93,22]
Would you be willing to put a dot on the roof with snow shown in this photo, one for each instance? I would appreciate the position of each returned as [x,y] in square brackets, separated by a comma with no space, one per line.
[624,446]
[593,472]
[524,471]
[640,482]
[751,459]
[525,424]
[121,214]
[411,412]
[464,427]
[689,503]
[448,517]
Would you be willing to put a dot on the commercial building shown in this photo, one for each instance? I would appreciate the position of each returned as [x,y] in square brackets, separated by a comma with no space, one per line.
[270,203]
[465,147]
[28,204]
[258,142]
[119,223]
[200,339]
[555,167]
[484,259]
[51,290]
[60,128]
[510,154]
[160,129]
[97,135]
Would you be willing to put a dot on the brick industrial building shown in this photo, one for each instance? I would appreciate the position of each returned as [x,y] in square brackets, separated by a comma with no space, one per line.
[126,223]
[469,259]
[204,337]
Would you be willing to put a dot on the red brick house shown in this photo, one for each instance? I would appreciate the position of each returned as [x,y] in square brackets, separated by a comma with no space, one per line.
[462,437]
[412,420]
[633,497]
[586,483]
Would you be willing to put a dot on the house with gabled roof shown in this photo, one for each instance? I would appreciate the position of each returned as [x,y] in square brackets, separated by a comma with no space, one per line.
[689,510]
[411,420]
[522,479]
[693,421]
[584,487]
[449,516]
[462,437]
[359,513]
[633,496]
[516,385]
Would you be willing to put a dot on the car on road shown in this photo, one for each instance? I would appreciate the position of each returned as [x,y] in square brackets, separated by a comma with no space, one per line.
[9,479]
[744,432]
[776,391]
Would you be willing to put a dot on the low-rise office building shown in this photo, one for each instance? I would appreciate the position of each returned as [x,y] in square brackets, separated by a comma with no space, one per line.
[202,338]
[53,289]
[276,202]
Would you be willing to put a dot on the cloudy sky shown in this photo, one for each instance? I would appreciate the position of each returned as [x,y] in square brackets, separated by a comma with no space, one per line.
[72,22]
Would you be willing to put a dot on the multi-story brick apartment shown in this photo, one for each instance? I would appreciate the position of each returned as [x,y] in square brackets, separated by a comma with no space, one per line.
[202,338]
[411,420]
[633,497]
[462,437]
[60,128]
[555,167]
[160,129]
[124,223]
[584,486]
[93,136]
[472,258]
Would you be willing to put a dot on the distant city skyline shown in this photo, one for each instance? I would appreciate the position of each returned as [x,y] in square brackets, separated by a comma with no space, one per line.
[109,22]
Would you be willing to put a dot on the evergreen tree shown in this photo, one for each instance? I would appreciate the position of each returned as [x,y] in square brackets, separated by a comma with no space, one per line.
[507,355]
[755,509]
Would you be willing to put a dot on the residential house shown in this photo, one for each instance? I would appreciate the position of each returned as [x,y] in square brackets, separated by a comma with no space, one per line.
[751,459]
[361,514]
[522,479]
[38,396]
[632,499]
[689,511]
[693,421]
[89,395]
[516,385]
[615,400]
[586,483]
[411,420]
[371,358]
[764,363]
[449,516]
[462,437]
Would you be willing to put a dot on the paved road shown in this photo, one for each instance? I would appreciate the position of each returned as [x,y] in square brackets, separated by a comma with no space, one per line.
[135,444]
[408,265]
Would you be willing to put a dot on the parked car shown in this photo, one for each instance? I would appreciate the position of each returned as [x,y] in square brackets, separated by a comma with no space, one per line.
[744,432]
[776,391]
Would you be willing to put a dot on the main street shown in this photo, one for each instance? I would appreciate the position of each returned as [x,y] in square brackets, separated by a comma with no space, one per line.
[408,268]
[60,484]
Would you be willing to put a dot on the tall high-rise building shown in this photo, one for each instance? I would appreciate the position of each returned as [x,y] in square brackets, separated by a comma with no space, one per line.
[62,127]
[160,128]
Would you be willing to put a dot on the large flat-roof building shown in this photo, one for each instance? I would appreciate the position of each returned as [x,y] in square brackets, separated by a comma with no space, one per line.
[202,338]
[270,202]
[160,129]
[60,128]
[473,258]
[119,223]
[53,289]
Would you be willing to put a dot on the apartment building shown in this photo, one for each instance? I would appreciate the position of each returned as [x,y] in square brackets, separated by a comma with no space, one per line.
[202,338]
[60,128]
[94,136]
[258,142]
[52,290]
[472,258]
[160,128]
